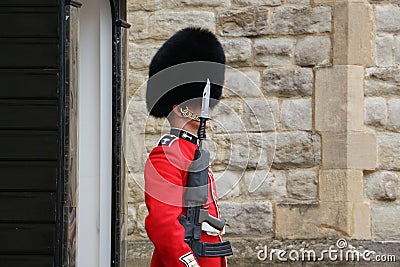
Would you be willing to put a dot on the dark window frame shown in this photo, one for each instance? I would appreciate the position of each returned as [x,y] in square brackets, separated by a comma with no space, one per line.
[118,15]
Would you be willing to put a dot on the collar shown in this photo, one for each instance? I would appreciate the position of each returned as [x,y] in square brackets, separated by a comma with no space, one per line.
[185,135]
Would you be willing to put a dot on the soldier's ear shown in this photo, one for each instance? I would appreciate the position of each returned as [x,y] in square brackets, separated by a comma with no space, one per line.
[176,109]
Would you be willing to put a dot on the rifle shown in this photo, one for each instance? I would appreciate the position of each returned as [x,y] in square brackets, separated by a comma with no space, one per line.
[196,195]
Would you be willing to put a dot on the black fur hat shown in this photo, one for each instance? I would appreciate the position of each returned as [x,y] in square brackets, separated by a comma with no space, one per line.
[169,86]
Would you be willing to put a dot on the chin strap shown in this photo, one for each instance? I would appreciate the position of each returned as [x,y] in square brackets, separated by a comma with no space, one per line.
[187,113]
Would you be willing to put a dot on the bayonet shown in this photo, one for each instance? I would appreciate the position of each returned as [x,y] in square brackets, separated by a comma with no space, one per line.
[205,101]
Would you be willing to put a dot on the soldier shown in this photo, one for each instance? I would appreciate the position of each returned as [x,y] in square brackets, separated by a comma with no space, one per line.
[195,55]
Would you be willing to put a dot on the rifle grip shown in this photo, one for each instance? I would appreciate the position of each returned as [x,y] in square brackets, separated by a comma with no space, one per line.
[201,133]
[216,223]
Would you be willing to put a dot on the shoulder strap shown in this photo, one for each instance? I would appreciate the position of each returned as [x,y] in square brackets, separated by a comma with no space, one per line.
[167,140]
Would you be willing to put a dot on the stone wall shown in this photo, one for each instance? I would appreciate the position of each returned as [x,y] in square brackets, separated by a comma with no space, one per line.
[382,114]
[299,153]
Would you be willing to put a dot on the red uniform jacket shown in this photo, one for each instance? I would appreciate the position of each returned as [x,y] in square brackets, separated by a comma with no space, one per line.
[165,178]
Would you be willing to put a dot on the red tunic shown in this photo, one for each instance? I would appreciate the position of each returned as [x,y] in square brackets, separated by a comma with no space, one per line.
[165,177]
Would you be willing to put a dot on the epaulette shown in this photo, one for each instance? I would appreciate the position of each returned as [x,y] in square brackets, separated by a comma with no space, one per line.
[167,140]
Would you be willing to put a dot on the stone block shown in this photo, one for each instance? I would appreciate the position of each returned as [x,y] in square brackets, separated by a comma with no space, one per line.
[296,114]
[137,112]
[156,125]
[355,150]
[197,3]
[354,33]
[139,253]
[389,151]
[339,99]
[313,50]
[244,84]
[237,51]
[288,82]
[137,86]
[164,25]
[394,115]
[341,185]
[261,115]
[247,3]
[135,187]
[242,151]
[273,52]
[248,218]
[243,22]
[336,218]
[387,18]
[228,184]
[265,184]
[298,2]
[375,113]
[382,185]
[302,184]
[384,51]
[227,117]
[132,218]
[141,216]
[327,219]
[134,150]
[139,25]
[141,54]
[382,82]
[385,219]
[301,20]
[362,151]
[145,5]
[362,220]
[397,50]
[297,150]
[323,2]
[261,151]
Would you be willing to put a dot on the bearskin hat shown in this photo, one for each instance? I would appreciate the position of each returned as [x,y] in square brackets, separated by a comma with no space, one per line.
[179,70]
